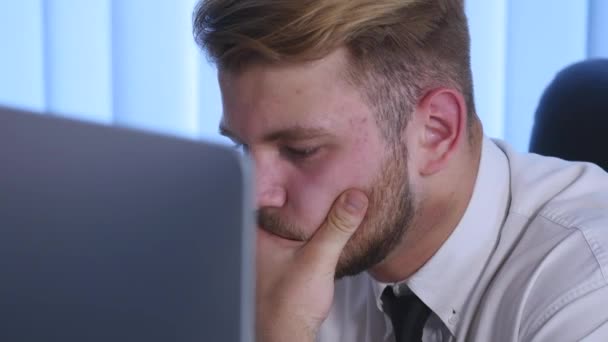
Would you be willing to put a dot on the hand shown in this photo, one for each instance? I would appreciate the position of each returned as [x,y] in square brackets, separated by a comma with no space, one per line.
[295,282]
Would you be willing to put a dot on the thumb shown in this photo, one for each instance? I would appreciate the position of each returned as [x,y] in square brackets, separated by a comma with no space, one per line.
[343,219]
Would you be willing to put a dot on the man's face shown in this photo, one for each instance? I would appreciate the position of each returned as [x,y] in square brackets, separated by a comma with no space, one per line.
[312,136]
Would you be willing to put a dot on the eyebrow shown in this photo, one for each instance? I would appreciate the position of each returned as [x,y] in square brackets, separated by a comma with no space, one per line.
[288,134]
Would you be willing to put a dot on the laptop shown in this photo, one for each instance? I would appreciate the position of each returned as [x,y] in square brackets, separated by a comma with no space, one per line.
[111,234]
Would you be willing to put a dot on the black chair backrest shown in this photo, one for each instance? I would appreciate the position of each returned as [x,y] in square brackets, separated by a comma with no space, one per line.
[572,117]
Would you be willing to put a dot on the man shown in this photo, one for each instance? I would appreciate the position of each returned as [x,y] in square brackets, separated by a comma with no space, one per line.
[372,168]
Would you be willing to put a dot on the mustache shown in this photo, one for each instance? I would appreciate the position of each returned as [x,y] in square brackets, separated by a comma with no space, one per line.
[271,222]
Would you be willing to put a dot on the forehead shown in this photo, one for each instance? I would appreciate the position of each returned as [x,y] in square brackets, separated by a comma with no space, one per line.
[332,66]
[314,92]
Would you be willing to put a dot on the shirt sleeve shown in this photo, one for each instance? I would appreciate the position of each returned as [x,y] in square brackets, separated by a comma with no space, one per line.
[580,314]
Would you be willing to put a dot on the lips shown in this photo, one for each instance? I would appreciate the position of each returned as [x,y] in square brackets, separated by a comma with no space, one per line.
[278,235]
[284,241]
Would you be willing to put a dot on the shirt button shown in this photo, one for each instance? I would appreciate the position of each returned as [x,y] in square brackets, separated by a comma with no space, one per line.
[453,319]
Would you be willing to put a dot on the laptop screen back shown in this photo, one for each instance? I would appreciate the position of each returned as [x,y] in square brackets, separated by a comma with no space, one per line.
[108,234]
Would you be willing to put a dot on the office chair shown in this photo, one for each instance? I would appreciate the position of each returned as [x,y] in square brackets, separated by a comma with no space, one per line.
[572,117]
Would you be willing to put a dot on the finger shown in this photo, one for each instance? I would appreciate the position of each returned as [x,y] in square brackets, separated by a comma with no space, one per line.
[270,251]
[342,221]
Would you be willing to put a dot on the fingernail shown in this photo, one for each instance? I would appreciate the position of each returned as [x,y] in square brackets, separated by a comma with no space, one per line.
[355,202]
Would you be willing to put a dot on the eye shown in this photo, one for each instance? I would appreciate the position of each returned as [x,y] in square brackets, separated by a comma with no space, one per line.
[300,153]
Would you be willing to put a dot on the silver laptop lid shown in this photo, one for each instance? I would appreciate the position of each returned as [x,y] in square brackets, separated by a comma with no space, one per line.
[108,234]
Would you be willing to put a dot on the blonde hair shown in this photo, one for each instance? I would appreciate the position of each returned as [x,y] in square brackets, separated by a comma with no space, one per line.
[397,48]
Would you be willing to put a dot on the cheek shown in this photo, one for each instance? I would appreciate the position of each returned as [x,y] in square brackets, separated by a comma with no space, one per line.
[311,193]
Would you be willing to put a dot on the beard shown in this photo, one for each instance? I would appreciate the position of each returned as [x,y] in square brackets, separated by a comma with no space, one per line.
[390,213]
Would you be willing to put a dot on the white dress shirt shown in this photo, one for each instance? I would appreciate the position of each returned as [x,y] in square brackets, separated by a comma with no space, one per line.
[527,262]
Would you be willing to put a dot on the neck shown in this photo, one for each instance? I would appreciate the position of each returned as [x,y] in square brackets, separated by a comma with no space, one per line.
[436,218]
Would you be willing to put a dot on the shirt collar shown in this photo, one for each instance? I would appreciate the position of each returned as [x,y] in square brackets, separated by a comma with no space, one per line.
[446,281]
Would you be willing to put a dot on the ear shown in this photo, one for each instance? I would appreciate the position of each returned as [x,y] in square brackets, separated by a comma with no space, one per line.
[442,117]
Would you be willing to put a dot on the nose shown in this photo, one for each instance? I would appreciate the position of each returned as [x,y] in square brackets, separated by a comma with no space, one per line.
[268,185]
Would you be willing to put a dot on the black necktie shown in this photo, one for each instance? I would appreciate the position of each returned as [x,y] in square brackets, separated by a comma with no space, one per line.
[408,314]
